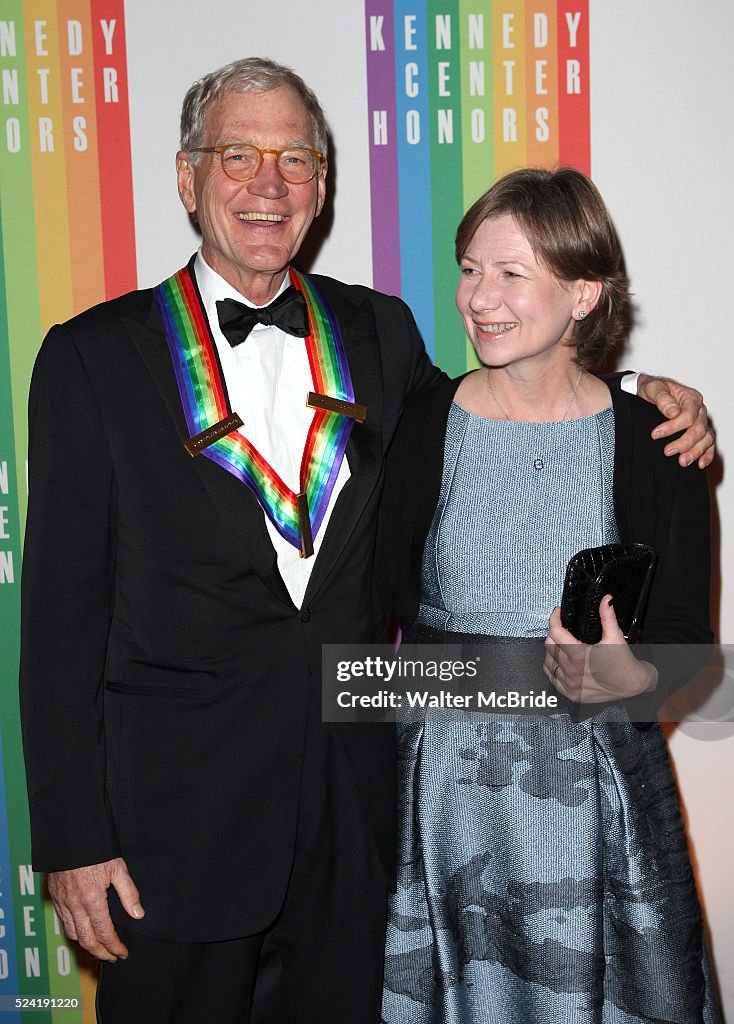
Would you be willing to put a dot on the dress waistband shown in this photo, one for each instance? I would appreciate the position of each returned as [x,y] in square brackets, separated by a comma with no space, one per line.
[511,660]
[509,665]
[504,664]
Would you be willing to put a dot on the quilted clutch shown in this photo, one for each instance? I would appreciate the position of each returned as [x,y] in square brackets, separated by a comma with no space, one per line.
[622,570]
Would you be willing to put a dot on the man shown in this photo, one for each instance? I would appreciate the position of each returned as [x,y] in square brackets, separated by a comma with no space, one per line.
[172,637]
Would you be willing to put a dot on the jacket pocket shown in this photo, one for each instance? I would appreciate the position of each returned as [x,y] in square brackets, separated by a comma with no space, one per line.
[141,690]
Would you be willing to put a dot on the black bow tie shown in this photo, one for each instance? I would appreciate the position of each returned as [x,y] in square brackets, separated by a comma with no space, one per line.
[288,312]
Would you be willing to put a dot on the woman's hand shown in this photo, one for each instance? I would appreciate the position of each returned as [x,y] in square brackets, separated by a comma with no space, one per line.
[593,673]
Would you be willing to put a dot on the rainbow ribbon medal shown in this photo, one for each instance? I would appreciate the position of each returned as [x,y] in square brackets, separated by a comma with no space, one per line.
[213,427]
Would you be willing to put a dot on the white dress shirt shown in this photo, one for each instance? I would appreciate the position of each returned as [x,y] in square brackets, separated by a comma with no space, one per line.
[268,378]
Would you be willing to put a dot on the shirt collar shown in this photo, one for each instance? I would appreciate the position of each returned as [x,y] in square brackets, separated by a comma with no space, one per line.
[213,287]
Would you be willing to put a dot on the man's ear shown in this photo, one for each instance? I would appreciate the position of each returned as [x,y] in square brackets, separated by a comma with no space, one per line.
[321,187]
[185,177]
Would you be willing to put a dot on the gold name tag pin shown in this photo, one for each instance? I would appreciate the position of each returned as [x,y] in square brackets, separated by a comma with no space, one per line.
[328,404]
[199,442]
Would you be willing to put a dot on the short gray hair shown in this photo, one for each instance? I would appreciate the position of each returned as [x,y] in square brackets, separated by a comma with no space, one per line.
[251,74]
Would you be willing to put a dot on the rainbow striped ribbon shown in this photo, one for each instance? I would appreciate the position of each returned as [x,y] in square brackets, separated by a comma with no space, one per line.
[205,402]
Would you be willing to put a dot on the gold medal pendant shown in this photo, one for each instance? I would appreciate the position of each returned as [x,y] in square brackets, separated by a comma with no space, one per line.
[304,525]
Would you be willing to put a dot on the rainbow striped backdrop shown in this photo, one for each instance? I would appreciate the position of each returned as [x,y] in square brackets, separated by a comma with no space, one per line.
[459,93]
[67,241]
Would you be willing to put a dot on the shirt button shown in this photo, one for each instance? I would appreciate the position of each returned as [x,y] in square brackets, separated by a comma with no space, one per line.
[305,615]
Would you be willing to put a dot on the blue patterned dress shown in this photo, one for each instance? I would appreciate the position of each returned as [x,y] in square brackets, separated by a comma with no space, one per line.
[543,873]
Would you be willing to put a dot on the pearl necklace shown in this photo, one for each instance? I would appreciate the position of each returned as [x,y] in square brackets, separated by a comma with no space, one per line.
[538,461]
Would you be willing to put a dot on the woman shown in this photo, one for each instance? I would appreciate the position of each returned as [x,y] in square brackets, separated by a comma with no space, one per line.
[544,876]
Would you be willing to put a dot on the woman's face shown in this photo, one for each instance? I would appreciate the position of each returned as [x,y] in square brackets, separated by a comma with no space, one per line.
[514,310]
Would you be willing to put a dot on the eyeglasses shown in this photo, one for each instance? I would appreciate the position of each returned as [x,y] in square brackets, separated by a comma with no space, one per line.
[241,161]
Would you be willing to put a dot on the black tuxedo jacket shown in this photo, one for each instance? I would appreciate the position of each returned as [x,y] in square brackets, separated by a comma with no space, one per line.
[165,672]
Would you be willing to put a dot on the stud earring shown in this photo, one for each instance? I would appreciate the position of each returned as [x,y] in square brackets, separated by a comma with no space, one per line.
[581,314]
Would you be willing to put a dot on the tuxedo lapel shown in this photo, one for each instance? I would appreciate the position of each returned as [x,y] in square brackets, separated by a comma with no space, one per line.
[364,449]
[234,502]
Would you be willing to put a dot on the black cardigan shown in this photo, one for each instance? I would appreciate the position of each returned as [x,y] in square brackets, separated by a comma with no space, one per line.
[656,502]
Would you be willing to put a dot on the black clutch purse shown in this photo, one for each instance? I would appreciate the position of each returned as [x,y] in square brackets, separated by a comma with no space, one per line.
[622,570]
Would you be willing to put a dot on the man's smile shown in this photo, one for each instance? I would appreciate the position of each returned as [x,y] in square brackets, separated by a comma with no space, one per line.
[274,218]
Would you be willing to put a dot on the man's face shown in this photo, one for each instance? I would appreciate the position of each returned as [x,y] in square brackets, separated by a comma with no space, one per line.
[252,229]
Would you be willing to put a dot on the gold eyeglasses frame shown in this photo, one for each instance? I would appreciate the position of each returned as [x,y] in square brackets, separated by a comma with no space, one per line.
[277,153]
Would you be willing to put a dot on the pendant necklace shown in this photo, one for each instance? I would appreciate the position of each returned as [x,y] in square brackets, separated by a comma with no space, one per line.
[538,461]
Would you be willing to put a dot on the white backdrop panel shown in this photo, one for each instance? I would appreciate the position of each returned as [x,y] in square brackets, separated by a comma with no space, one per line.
[662,153]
